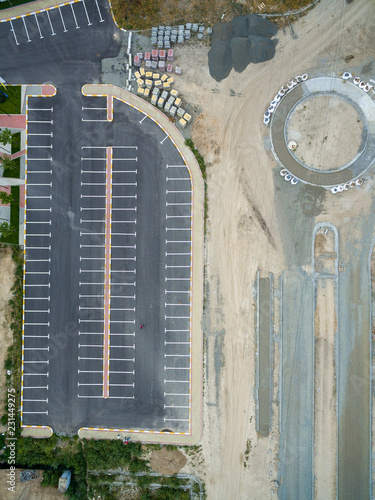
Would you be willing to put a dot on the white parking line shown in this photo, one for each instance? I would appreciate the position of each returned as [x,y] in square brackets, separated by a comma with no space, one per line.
[39,362]
[49,19]
[39,209]
[62,20]
[87,120]
[177,279]
[168,191]
[101,19]
[176,204]
[35,400]
[38,298]
[131,283]
[94,147]
[177,228]
[37,22]
[187,305]
[178,267]
[176,166]
[41,109]
[180,241]
[177,355]
[39,159]
[176,419]
[39,184]
[175,406]
[178,217]
[27,33]
[122,297]
[177,291]
[14,33]
[123,346]
[35,412]
[39,222]
[71,6]
[178,179]
[37,336]
[125,159]
[175,368]
[177,317]
[177,253]
[88,20]
[49,134]
[37,324]
[36,387]
[38,285]
[176,382]
[124,171]
[161,142]
[40,172]
[40,121]
[41,146]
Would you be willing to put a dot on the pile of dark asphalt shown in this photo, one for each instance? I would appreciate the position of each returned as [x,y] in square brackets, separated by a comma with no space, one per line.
[245,40]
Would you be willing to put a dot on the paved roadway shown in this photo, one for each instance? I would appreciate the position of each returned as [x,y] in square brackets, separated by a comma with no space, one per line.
[150,369]
[320,86]
[297,211]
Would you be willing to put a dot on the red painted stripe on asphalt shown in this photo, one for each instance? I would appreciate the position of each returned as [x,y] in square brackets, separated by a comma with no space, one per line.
[107,277]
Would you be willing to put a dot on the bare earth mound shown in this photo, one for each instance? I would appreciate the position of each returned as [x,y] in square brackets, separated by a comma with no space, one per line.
[167,461]
[327,130]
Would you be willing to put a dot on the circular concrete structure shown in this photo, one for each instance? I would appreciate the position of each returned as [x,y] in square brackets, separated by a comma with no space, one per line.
[363,149]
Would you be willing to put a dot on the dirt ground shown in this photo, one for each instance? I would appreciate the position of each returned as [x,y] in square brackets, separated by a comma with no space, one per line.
[319,125]
[325,421]
[7,268]
[242,233]
[167,461]
[32,490]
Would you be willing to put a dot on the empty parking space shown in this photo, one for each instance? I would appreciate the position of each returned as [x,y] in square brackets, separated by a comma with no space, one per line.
[54,22]
[107,272]
[178,257]
[37,269]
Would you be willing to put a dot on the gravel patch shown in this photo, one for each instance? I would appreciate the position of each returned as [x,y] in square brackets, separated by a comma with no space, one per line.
[244,40]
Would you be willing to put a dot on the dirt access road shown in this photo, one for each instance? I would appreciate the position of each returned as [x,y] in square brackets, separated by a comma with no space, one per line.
[248,229]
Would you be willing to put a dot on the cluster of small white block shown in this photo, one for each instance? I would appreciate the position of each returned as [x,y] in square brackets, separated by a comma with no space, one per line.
[287,87]
[345,187]
[288,176]
[365,86]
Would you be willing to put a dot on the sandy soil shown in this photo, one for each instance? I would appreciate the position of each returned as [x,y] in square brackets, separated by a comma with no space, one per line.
[7,268]
[242,232]
[319,126]
[325,421]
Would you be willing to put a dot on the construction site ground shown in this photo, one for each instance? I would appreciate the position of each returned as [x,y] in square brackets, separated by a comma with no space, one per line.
[246,230]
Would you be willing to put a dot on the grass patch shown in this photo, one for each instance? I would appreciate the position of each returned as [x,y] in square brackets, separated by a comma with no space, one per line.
[203,168]
[143,14]
[12,3]
[16,142]
[13,239]
[12,105]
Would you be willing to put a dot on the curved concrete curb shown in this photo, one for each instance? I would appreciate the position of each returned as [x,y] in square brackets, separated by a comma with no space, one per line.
[324,86]
[37,431]
[197,276]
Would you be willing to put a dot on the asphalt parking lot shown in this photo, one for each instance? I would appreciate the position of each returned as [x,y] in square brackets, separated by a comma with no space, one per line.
[147,281]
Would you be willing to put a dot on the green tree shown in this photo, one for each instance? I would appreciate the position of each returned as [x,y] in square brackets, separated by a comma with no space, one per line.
[5,136]
[5,198]
[6,230]
[8,163]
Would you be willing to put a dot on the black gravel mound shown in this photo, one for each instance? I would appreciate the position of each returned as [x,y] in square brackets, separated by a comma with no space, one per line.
[244,40]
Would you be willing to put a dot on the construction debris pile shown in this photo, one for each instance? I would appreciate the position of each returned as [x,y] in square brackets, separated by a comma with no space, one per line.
[158,86]
[164,36]
[245,40]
